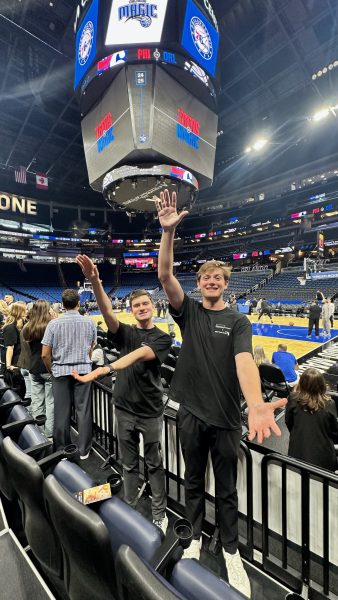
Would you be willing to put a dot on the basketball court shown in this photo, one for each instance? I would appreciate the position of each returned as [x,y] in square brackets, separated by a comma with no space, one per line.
[264,333]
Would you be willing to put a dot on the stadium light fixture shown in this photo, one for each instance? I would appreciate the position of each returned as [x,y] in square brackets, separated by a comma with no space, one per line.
[257,145]
[321,114]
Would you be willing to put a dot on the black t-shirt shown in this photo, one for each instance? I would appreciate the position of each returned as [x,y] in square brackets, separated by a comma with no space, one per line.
[205,380]
[138,388]
[11,337]
[315,311]
[37,364]
[312,435]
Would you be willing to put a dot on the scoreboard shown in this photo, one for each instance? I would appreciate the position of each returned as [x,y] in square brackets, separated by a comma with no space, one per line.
[146,79]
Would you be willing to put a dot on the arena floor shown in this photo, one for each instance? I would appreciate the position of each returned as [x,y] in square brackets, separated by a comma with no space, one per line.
[264,334]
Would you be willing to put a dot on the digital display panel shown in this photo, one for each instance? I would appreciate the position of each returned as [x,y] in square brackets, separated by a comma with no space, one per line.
[184,129]
[140,263]
[86,43]
[200,38]
[136,22]
[239,256]
[107,130]
[321,243]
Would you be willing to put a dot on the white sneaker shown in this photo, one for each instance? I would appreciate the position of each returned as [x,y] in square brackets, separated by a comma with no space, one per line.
[162,523]
[194,550]
[237,575]
[84,456]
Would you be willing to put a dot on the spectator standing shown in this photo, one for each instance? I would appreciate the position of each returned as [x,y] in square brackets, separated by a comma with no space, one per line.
[314,316]
[41,380]
[320,297]
[216,355]
[138,390]
[311,418]
[326,313]
[11,333]
[67,346]
[331,304]
[287,362]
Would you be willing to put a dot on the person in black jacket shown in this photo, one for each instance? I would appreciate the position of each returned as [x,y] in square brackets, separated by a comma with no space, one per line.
[311,418]
[314,316]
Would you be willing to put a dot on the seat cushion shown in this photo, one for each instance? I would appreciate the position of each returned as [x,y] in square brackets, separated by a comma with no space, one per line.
[195,582]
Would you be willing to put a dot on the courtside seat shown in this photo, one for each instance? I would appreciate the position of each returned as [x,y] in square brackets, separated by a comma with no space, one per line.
[137,580]
[88,561]
[194,582]
[27,477]
[127,526]
[72,477]
[273,381]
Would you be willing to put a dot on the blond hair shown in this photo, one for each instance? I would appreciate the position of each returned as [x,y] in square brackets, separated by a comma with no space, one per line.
[259,355]
[211,265]
[17,313]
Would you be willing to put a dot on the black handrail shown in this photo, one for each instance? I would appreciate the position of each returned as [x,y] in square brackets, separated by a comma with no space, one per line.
[307,473]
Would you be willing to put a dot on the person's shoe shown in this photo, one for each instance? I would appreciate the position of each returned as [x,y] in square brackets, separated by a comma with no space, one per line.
[84,456]
[162,523]
[237,575]
[308,337]
[194,550]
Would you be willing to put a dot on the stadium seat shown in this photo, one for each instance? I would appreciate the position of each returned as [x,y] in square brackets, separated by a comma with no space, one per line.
[27,477]
[138,581]
[189,581]
[273,381]
[88,559]
[194,582]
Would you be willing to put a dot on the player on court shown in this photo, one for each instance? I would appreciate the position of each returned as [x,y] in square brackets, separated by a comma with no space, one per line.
[215,359]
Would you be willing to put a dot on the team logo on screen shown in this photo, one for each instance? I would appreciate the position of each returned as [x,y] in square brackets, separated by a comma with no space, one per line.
[188,129]
[201,38]
[104,132]
[144,12]
[86,43]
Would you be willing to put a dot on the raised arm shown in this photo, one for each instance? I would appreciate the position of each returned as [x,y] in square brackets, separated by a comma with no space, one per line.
[91,273]
[169,219]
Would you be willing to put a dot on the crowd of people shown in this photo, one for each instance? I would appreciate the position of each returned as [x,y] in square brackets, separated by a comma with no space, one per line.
[59,357]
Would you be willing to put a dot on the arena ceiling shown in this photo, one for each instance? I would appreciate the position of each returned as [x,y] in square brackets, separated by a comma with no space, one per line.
[270,50]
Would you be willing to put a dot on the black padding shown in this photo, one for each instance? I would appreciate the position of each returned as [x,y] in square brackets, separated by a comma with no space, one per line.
[27,479]
[88,562]
[138,581]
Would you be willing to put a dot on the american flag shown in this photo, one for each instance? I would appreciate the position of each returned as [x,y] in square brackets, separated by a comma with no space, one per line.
[20,175]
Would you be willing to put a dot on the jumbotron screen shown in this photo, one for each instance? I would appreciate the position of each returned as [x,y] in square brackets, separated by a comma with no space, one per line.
[184,129]
[140,263]
[179,128]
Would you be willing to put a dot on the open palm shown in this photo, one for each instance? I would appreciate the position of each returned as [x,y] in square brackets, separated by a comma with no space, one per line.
[88,268]
[167,211]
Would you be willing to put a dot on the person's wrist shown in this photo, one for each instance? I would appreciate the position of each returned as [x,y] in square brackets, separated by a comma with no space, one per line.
[169,229]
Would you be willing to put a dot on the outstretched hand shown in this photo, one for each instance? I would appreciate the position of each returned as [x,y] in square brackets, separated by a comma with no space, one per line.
[167,211]
[88,268]
[83,378]
[262,420]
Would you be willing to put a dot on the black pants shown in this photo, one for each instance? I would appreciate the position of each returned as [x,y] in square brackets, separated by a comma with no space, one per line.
[267,312]
[197,438]
[129,427]
[66,391]
[313,322]
[332,320]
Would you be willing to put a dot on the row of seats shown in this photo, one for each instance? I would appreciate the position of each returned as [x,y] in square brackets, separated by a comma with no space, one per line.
[106,550]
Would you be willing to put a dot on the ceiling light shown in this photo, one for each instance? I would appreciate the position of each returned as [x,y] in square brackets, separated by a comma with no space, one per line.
[321,114]
[259,144]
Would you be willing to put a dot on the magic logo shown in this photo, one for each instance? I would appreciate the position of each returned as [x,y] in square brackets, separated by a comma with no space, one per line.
[188,129]
[144,12]
[104,132]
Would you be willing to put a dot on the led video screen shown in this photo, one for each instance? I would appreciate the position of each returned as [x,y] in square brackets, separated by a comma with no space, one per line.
[135,22]
[200,38]
[107,130]
[184,129]
[86,43]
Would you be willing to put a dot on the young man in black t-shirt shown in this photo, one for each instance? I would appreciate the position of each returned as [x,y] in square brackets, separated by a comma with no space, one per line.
[138,390]
[215,361]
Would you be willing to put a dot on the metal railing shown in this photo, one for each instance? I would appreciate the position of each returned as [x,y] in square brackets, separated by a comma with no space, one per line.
[284,567]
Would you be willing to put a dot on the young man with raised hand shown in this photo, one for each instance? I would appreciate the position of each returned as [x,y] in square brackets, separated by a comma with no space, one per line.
[214,363]
[138,389]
